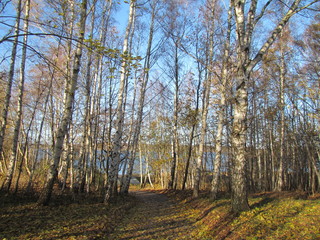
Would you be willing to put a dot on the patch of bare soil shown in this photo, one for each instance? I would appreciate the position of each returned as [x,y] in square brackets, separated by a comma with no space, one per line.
[155,217]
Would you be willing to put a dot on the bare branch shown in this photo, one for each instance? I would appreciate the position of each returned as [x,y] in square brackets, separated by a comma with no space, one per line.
[262,12]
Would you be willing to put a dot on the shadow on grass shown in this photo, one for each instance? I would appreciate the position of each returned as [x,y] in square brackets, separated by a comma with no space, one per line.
[223,229]
[263,202]
[21,218]
[207,211]
[166,230]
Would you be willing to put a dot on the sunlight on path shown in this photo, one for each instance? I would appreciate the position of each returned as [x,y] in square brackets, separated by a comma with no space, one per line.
[155,217]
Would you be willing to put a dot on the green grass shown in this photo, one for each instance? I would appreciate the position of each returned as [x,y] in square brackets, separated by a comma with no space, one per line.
[272,216]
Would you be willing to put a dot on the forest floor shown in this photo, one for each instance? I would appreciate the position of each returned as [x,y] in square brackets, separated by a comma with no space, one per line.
[176,215]
[160,214]
[156,217]
[67,217]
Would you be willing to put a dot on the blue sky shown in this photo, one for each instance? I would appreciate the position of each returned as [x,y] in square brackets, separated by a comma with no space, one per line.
[122,16]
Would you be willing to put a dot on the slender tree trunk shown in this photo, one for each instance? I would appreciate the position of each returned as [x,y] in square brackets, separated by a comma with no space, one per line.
[67,113]
[148,172]
[141,168]
[96,99]
[24,157]
[117,142]
[65,162]
[312,165]
[143,89]
[4,115]
[175,141]
[280,181]
[196,186]
[86,155]
[33,168]
[13,157]
[222,110]
[206,99]
[132,147]
[193,128]
[190,145]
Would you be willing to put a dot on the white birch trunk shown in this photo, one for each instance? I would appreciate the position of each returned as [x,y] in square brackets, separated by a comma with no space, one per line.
[67,113]
[117,142]
[4,114]
[206,97]
[221,113]
[141,102]
[199,160]
[175,141]
[13,156]
[280,181]
[244,30]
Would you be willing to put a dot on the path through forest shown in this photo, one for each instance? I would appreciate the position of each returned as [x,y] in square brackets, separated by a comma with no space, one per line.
[155,217]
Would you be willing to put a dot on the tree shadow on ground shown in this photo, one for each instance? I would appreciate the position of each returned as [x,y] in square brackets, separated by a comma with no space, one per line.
[21,218]
[207,211]
[263,202]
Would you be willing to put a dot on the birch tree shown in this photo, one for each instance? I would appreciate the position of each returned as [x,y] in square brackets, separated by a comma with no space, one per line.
[222,108]
[245,24]
[175,29]
[194,114]
[206,99]
[143,88]
[4,113]
[13,156]
[85,155]
[282,68]
[67,113]
[117,141]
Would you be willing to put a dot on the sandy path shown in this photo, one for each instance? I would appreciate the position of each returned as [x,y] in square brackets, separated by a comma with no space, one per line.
[154,217]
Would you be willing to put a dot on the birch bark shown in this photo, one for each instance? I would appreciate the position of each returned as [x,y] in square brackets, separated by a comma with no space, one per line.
[4,114]
[221,113]
[117,142]
[67,113]
[244,31]
[13,156]
[280,180]
[206,97]
[197,178]
[143,89]
[175,141]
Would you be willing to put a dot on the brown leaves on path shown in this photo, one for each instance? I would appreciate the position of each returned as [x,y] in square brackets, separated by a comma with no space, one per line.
[156,217]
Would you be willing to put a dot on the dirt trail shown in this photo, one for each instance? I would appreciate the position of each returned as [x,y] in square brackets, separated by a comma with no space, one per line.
[155,217]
